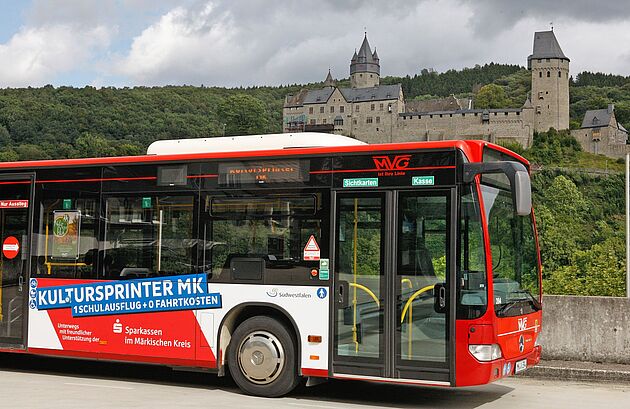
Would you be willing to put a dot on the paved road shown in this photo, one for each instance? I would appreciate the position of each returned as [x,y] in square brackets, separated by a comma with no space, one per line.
[29,382]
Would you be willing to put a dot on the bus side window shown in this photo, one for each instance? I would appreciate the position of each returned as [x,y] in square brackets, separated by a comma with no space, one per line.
[260,238]
[148,236]
[67,246]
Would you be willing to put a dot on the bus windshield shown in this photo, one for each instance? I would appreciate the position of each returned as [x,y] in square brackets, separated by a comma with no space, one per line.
[513,250]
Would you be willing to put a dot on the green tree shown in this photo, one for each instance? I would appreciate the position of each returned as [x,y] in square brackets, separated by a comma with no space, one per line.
[94,146]
[31,152]
[243,115]
[599,270]
[560,222]
[491,96]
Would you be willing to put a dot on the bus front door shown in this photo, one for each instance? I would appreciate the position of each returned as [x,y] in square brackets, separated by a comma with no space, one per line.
[392,269]
[15,226]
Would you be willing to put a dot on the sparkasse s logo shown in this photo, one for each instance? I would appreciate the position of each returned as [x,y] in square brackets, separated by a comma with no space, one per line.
[399,162]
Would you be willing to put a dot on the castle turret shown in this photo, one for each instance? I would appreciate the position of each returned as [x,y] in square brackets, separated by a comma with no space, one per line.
[365,69]
[329,81]
[550,83]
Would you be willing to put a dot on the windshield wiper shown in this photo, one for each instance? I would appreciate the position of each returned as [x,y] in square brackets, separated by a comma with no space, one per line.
[529,295]
[504,308]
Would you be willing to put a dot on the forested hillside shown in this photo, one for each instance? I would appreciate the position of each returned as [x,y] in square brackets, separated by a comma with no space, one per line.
[37,123]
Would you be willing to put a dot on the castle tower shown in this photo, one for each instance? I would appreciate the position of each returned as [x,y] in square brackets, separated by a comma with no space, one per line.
[365,68]
[550,83]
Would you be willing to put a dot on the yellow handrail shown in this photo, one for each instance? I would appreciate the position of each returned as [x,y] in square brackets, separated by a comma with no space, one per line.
[413,297]
[408,281]
[409,306]
[367,290]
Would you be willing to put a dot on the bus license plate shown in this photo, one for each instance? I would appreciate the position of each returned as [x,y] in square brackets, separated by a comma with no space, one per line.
[520,366]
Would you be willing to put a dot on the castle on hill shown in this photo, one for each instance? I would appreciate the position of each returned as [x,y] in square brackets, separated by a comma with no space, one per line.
[377,113]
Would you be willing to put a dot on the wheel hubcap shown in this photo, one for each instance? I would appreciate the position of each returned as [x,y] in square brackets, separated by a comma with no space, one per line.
[261,357]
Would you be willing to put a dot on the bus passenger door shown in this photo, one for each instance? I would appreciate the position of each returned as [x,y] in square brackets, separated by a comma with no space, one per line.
[15,226]
[392,281]
[421,283]
[359,285]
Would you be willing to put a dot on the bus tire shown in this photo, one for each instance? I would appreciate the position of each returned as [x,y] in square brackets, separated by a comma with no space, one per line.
[262,357]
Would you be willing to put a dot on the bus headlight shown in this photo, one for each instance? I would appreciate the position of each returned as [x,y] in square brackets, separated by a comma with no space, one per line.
[485,353]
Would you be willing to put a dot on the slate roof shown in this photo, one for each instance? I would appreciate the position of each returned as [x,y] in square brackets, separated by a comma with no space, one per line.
[596,118]
[382,92]
[364,60]
[318,96]
[546,46]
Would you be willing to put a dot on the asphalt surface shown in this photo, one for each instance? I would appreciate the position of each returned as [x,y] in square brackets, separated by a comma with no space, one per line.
[36,382]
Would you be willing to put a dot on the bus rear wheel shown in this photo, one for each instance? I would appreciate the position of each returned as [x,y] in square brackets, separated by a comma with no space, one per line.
[262,357]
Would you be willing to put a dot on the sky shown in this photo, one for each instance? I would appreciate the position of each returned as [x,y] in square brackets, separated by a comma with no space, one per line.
[235,43]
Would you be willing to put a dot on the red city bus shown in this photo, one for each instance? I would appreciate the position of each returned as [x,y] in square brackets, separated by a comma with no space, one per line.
[306,255]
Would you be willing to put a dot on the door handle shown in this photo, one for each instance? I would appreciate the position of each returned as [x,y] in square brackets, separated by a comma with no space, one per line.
[439,303]
[342,293]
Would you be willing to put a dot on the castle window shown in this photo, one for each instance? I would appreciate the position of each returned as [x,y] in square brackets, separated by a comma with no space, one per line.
[372,107]
[495,114]
[310,110]
[539,74]
[378,119]
[324,121]
[463,114]
[506,114]
[559,74]
[368,120]
[361,75]
[332,109]
[312,122]
[338,121]
[450,115]
[321,110]
[430,116]
[370,75]
[356,108]
[342,109]
[440,115]
[548,74]
[380,106]
[354,121]
[518,113]
[548,60]
[547,92]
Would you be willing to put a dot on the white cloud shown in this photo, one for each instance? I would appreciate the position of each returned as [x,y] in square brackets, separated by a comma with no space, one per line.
[35,55]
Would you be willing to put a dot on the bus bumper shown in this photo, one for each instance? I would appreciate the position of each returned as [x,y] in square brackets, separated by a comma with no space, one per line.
[481,373]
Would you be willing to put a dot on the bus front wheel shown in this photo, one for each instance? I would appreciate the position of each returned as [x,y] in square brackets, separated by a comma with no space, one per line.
[262,357]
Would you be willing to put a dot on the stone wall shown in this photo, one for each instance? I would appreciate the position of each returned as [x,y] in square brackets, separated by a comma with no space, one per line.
[504,126]
[593,329]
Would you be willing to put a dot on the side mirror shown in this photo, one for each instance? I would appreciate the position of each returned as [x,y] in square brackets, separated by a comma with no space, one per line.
[516,173]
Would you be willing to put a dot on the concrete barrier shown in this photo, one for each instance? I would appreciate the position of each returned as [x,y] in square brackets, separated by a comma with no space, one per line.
[595,329]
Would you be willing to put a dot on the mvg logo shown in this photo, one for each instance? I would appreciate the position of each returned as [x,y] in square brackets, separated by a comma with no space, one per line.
[522,324]
[400,162]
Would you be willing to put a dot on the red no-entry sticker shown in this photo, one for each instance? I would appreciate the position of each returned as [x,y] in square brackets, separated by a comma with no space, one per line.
[10,247]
